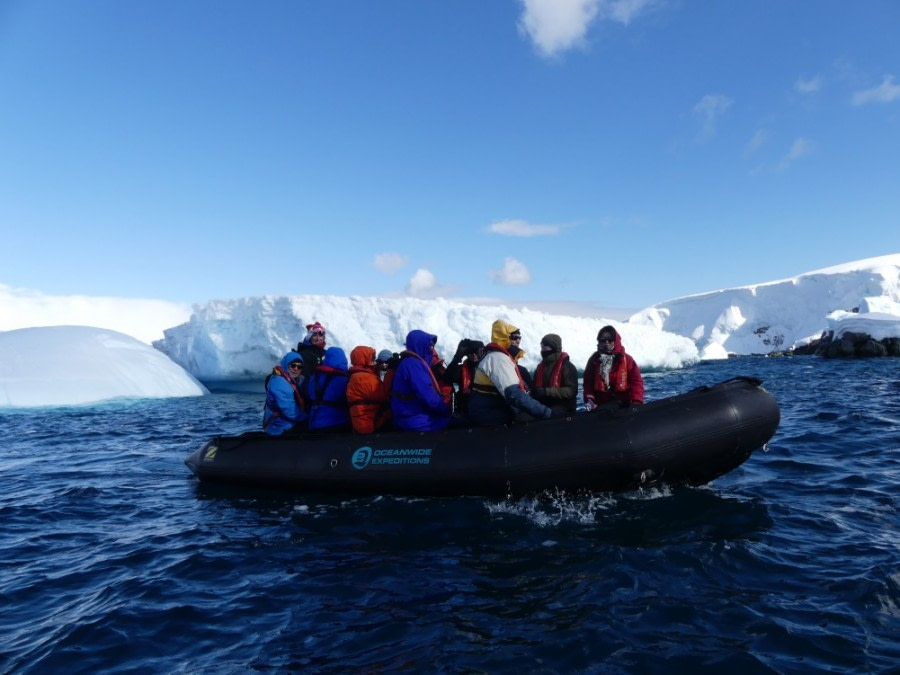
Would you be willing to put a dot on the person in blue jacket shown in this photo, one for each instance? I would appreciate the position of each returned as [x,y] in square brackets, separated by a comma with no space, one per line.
[284,408]
[325,393]
[416,401]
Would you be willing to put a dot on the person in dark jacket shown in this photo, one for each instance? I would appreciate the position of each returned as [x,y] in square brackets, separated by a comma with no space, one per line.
[612,379]
[460,373]
[326,393]
[555,378]
[499,393]
[416,401]
[312,347]
[284,407]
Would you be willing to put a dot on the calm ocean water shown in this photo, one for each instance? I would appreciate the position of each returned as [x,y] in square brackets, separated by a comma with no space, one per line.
[114,560]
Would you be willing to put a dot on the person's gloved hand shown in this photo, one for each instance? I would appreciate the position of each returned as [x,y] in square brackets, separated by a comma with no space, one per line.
[590,405]
[538,392]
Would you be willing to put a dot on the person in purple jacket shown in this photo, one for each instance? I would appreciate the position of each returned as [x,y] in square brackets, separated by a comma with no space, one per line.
[416,402]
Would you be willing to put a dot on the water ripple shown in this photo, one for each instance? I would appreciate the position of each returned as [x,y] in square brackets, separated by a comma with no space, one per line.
[115,560]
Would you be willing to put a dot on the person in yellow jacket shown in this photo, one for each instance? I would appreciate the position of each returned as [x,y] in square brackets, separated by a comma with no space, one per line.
[499,394]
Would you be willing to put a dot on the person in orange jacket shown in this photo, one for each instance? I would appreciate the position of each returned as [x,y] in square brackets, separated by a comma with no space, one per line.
[370,407]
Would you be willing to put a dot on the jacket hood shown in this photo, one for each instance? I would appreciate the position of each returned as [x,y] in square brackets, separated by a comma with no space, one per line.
[335,358]
[361,356]
[288,359]
[500,332]
[554,341]
[617,346]
[419,342]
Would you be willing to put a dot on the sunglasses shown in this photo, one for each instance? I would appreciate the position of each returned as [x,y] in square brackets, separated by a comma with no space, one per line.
[515,336]
[607,340]
[319,332]
[296,366]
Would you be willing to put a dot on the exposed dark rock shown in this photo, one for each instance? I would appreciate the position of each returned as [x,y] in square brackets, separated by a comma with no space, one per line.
[849,345]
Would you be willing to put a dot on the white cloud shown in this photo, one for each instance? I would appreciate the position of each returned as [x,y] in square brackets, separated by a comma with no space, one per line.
[422,282]
[557,25]
[799,148]
[885,92]
[709,109]
[514,273]
[389,263]
[624,11]
[809,86]
[520,228]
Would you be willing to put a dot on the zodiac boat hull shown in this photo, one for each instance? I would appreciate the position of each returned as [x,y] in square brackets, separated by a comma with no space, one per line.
[689,439]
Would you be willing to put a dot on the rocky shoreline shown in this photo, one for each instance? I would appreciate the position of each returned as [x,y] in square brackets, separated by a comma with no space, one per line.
[849,345]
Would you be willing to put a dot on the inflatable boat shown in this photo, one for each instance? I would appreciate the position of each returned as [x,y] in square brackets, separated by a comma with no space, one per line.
[688,439]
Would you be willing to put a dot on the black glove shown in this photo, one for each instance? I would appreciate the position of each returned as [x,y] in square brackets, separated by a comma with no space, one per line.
[538,392]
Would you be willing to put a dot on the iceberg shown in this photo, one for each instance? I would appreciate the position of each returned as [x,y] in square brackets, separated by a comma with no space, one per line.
[73,365]
[241,339]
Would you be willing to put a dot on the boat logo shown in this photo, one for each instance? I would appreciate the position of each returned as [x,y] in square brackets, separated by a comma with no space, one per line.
[361,457]
[366,455]
[210,453]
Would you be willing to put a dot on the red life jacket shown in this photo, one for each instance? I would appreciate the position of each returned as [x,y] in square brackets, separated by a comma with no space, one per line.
[555,375]
[465,379]
[491,389]
[618,375]
[437,372]
[276,372]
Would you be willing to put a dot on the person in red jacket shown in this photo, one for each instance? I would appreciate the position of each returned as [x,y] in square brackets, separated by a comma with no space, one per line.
[612,379]
[370,406]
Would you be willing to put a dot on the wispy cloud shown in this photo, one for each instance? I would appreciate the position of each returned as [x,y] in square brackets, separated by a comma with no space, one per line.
[885,92]
[709,109]
[521,228]
[513,273]
[556,25]
[810,86]
[759,139]
[799,148]
[390,263]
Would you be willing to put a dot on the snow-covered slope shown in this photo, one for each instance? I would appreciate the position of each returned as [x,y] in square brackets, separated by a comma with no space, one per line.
[862,296]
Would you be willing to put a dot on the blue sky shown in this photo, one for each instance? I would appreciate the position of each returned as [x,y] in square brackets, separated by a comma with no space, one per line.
[617,153]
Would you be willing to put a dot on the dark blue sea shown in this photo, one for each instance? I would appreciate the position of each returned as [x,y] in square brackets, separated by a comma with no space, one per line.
[115,560]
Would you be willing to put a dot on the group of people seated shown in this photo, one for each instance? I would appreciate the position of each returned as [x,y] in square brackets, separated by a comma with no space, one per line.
[315,389]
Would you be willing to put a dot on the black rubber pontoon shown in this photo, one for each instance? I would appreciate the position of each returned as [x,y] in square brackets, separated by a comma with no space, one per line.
[689,439]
